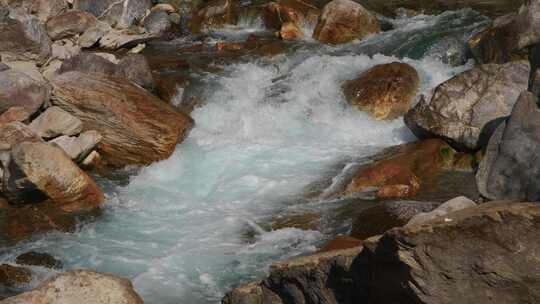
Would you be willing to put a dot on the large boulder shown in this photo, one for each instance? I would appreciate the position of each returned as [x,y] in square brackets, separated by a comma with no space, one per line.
[37,172]
[385,91]
[45,9]
[476,255]
[70,24]
[23,38]
[119,13]
[509,169]
[55,122]
[20,90]
[80,286]
[137,127]
[466,109]
[342,21]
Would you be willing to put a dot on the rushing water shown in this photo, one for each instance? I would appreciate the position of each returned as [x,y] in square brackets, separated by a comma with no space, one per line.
[267,129]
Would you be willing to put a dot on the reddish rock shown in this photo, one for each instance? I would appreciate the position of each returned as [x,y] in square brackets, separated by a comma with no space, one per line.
[341,242]
[14,133]
[70,24]
[290,31]
[14,114]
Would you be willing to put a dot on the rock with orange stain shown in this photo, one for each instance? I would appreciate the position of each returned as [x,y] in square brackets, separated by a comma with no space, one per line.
[341,242]
[290,31]
[275,14]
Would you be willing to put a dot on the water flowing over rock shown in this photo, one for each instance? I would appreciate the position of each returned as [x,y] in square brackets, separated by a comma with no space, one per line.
[215,13]
[40,171]
[276,14]
[385,91]
[466,109]
[342,21]
[70,24]
[472,250]
[509,170]
[137,127]
[80,286]
[119,13]
[20,90]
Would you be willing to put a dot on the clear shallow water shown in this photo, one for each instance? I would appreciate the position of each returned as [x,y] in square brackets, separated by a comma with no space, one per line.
[267,129]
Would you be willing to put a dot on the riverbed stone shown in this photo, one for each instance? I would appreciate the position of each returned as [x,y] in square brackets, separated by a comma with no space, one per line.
[20,90]
[342,21]
[14,114]
[157,22]
[385,91]
[510,170]
[80,286]
[137,127]
[120,14]
[34,258]
[15,132]
[466,109]
[55,122]
[25,39]
[69,24]
[13,276]
[37,172]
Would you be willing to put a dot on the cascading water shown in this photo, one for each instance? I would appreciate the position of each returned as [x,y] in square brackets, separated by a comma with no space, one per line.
[268,127]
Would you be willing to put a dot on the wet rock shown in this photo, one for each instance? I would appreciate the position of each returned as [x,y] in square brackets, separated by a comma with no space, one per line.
[170,87]
[509,169]
[214,14]
[20,90]
[33,258]
[300,13]
[12,276]
[24,39]
[14,133]
[507,38]
[385,216]
[455,204]
[40,171]
[70,24]
[342,21]
[137,127]
[135,68]
[385,91]
[290,31]
[55,122]
[341,242]
[80,286]
[157,22]
[45,9]
[410,167]
[120,14]
[307,221]
[14,114]
[466,109]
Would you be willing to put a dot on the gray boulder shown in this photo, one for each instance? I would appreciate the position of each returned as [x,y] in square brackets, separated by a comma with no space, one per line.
[510,169]
[24,39]
[55,122]
[466,109]
[118,13]
[455,204]
[20,90]
[157,22]
[135,67]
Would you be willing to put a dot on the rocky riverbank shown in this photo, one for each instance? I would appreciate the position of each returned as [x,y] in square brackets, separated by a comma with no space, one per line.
[84,93]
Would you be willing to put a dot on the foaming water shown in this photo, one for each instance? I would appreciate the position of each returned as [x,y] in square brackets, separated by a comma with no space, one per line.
[266,130]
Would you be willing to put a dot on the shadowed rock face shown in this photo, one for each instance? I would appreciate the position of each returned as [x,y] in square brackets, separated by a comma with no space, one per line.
[466,109]
[510,169]
[486,253]
[137,127]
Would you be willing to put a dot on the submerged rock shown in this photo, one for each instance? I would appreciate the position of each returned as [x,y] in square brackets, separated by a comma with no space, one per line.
[38,259]
[80,286]
[38,171]
[466,109]
[137,127]
[510,169]
[342,21]
[12,276]
[385,91]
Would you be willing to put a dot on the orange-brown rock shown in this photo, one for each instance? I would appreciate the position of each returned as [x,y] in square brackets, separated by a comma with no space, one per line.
[14,133]
[299,12]
[402,174]
[342,21]
[137,127]
[38,171]
[70,24]
[290,31]
[341,242]
[14,114]
[385,91]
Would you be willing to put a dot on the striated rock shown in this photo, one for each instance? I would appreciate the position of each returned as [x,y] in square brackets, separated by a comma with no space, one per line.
[157,22]
[39,171]
[24,39]
[14,114]
[409,167]
[80,286]
[385,91]
[120,14]
[45,9]
[12,276]
[215,13]
[385,216]
[70,24]
[55,122]
[342,21]
[137,127]
[19,90]
[38,259]
[89,141]
[509,169]
[466,109]
[135,68]
[456,204]
[14,133]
